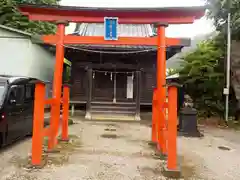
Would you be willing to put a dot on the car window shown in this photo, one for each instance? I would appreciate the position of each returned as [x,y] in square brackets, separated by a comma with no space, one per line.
[29,92]
[17,93]
[20,94]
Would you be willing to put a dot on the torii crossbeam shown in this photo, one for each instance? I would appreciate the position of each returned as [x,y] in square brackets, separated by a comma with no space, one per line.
[161,17]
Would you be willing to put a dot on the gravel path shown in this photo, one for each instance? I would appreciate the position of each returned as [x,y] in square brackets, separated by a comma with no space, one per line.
[216,156]
[120,151]
[95,153]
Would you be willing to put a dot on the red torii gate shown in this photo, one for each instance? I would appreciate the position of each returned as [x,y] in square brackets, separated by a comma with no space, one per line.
[161,17]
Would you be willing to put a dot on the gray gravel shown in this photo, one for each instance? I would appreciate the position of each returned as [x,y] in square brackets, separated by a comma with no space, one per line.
[212,162]
[126,157]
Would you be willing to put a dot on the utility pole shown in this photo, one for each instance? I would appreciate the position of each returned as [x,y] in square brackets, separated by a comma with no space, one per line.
[226,89]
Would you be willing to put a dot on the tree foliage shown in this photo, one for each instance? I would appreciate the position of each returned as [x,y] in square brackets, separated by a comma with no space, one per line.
[171,71]
[203,78]
[10,16]
[203,70]
[218,11]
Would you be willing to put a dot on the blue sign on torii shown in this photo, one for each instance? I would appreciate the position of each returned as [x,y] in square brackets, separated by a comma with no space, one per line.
[110,28]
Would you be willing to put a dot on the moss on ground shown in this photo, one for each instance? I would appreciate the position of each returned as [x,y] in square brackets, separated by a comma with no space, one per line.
[18,176]
[25,162]
[66,146]
[70,122]
[188,171]
[58,157]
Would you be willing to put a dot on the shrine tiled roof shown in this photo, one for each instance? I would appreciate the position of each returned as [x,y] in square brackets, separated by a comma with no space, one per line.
[126,30]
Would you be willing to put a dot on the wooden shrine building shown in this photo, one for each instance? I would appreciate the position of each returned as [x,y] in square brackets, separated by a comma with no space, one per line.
[115,78]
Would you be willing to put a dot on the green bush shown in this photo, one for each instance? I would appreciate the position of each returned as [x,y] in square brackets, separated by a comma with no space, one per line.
[202,74]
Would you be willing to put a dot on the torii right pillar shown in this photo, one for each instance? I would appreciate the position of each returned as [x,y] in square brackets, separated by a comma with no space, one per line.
[166,128]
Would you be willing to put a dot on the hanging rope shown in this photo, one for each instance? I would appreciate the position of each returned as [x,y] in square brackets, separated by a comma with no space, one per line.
[116,72]
[110,52]
[112,72]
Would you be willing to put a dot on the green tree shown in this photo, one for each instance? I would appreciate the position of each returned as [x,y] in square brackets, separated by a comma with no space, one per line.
[203,77]
[10,16]
[218,11]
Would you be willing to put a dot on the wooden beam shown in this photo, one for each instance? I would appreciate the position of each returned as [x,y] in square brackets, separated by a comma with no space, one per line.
[170,15]
[99,40]
[122,20]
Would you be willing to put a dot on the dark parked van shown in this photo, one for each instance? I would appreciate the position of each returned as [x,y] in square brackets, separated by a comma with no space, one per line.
[16,108]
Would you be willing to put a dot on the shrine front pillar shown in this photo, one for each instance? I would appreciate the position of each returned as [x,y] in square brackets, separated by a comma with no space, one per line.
[57,85]
[161,86]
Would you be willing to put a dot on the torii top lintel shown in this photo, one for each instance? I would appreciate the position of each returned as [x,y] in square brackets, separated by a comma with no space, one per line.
[170,15]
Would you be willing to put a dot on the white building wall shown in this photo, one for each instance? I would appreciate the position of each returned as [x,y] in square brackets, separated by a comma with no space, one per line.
[42,66]
[14,56]
[20,57]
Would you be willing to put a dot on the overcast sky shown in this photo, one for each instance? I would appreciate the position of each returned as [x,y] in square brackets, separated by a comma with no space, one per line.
[201,26]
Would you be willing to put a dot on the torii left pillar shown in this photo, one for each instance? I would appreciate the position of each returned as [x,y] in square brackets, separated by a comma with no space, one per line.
[161,87]
[57,85]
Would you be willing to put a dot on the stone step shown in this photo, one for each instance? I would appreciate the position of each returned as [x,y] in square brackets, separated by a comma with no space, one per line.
[113,117]
[113,108]
[118,104]
[113,112]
